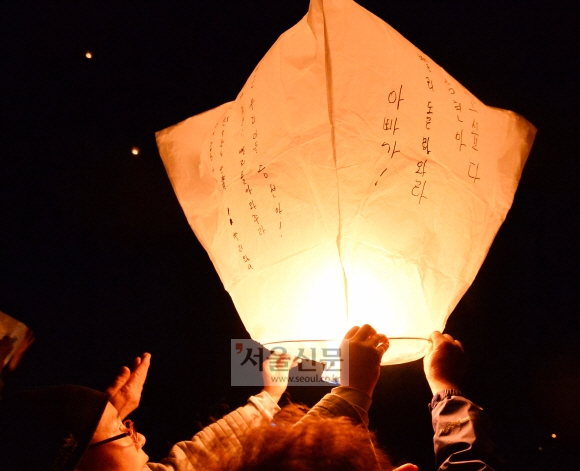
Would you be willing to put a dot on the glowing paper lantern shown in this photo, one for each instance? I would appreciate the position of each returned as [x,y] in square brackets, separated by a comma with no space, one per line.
[351,181]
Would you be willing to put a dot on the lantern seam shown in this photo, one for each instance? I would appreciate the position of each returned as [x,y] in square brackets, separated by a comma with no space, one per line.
[330,107]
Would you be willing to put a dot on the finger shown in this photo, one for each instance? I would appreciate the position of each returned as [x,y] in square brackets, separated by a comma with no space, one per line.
[351,332]
[435,337]
[376,339]
[383,339]
[139,374]
[460,345]
[434,340]
[429,349]
[144,363]
[448,337]
[119,382]
[364,333]
[383,347]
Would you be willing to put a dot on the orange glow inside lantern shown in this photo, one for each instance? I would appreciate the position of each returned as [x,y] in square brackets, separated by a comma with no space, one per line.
[351,181]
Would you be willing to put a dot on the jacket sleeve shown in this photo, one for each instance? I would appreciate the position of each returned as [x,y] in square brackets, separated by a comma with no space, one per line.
[221,439]
[342,402]
[462,441]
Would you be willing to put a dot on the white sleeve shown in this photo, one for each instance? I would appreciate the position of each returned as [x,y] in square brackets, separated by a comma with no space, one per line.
[221,439]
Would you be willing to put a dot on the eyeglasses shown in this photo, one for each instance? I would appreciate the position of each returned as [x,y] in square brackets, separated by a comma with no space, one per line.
[129,433]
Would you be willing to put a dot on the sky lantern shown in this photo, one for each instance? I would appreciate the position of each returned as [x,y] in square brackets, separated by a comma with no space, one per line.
[351,181]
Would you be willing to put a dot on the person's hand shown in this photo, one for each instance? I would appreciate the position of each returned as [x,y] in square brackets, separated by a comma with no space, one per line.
[445,363]
[26,342]
[365,350]
[125,392]
[275,371]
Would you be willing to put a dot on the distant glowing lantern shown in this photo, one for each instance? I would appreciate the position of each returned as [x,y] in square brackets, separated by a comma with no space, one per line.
[135,150]
[351,181]
[89,55]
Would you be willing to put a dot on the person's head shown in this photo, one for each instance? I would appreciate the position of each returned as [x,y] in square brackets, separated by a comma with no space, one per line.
[322,444]
[114,446]
[66,428]
[315,443]
[48,428]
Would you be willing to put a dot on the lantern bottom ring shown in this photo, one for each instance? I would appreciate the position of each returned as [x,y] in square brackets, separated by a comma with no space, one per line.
[401,349]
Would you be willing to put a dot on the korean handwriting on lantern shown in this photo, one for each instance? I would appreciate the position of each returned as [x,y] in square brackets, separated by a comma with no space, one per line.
[458,114]
[420,181]
[428,78]
[390,125]
[279,212]
[223,177]
[426,145]
[262,171]
[418,189]
[243,179]
[240,247]
[261,168]
[211,156]
[428,118]
[224,124]
[390,122]
[474,126]
[421,58]
[394,99]
[459,134]
[473,169]
[450,89]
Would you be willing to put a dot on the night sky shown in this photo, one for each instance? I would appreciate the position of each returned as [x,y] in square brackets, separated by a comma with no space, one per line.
[97,258]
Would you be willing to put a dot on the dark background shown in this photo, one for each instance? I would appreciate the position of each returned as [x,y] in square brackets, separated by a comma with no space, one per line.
[97,258]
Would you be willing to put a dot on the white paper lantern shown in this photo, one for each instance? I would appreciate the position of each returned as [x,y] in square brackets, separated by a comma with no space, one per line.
[351,181]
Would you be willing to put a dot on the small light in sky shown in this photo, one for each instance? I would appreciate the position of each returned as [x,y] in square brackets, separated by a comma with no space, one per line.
[553,435]
[89,55]
[135,150]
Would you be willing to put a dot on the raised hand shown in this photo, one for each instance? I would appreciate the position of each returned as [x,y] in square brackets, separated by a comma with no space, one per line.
[445,363]
[125,392]
[365,350]
[275,371]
